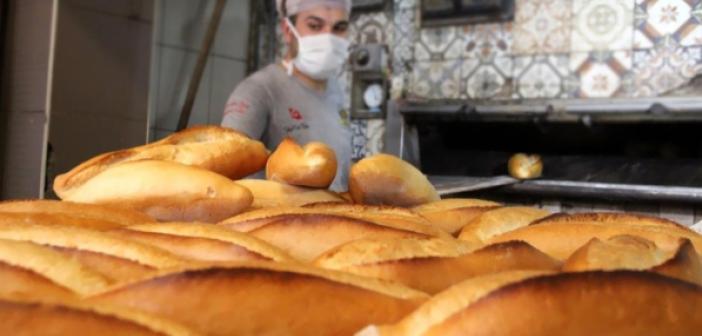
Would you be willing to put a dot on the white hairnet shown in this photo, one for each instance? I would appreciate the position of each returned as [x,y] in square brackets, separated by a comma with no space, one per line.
[293,7]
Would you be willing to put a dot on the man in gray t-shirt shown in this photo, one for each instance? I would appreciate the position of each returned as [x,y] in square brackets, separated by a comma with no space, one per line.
[300,97]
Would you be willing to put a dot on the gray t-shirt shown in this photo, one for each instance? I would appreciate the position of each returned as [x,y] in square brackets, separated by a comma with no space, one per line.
[270,105]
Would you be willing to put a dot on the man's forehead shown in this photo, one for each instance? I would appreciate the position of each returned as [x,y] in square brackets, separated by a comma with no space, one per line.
[330,15]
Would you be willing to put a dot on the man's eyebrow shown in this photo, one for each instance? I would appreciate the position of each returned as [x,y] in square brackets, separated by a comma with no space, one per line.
[315,18]
[341,23]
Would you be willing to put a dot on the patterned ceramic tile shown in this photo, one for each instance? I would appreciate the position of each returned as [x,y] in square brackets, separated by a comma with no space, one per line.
[436,44]
[542,26]
[372,27]
[601,74]
[656,20]
[664,68]
[487,41]
[405,37]
[602,25]
[359,138]
[483,80]
[436,79]
[541,76]
[375,132]
[401,4]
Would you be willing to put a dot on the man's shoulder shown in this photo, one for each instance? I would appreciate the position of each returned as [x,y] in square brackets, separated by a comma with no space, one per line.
[266,77]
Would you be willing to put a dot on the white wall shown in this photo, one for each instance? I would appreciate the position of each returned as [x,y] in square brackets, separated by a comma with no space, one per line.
[24,97]
[99,99]
[181,28]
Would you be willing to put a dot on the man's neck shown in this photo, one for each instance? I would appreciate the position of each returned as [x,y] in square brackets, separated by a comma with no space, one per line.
[315,84]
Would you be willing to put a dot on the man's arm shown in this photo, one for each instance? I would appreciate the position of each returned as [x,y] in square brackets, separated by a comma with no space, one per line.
[247,109]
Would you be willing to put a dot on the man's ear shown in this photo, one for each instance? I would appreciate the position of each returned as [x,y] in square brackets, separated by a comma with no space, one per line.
[288,36]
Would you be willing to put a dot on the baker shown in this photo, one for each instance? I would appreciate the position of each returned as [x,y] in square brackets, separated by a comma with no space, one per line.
[300,96]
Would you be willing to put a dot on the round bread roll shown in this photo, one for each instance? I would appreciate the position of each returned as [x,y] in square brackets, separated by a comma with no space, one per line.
[164,190]
[266,299]
[571,304]
[68,317]
[386,179]
[431,265]
[311,166]
[218,149]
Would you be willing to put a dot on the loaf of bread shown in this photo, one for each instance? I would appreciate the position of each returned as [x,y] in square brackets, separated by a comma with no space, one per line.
[561,239]
[117,259]
[613,218]
[164,190]
[218,149]
[386,179]
[78,214]
[635,253]
[267,194]
[204,242]
[39,317]
[495,222]
[306,236]
[311,166]
[586,303]
[56,219]
[29,270]
[453,214]
[431,265]
[266,299]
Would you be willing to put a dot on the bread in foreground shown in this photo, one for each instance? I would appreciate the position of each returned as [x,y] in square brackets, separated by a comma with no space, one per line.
[268,194]
[494,222]
[68,317]
[78,212]
[204,242]
[453,214]
[585,303]
[266,299]
[432,265]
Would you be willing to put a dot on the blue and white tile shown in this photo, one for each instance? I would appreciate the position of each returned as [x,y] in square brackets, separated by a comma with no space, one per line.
[437,44]
[487,41]
[483,80]
[664,68]
[375,133]
[372,27]
[541,76]
[359,138]
[436,79]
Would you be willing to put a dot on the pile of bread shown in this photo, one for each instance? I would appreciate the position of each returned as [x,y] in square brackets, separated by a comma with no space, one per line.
[164,239]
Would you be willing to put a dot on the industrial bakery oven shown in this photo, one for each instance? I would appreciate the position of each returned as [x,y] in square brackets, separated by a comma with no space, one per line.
[623,150]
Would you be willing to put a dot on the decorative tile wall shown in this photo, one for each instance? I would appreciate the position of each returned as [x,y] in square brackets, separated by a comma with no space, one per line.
[602,25]
[601,74]
[680,20]
[542,26]
[664,68]
[541,76]
[552,49]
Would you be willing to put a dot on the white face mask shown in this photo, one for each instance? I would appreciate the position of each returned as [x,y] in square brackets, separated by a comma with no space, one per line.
[319,56]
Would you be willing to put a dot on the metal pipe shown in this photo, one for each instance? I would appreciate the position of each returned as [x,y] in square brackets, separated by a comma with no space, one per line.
[200,65]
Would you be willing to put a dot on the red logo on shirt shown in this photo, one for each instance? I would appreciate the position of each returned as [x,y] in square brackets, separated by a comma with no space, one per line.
[294,113]
[236,106]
